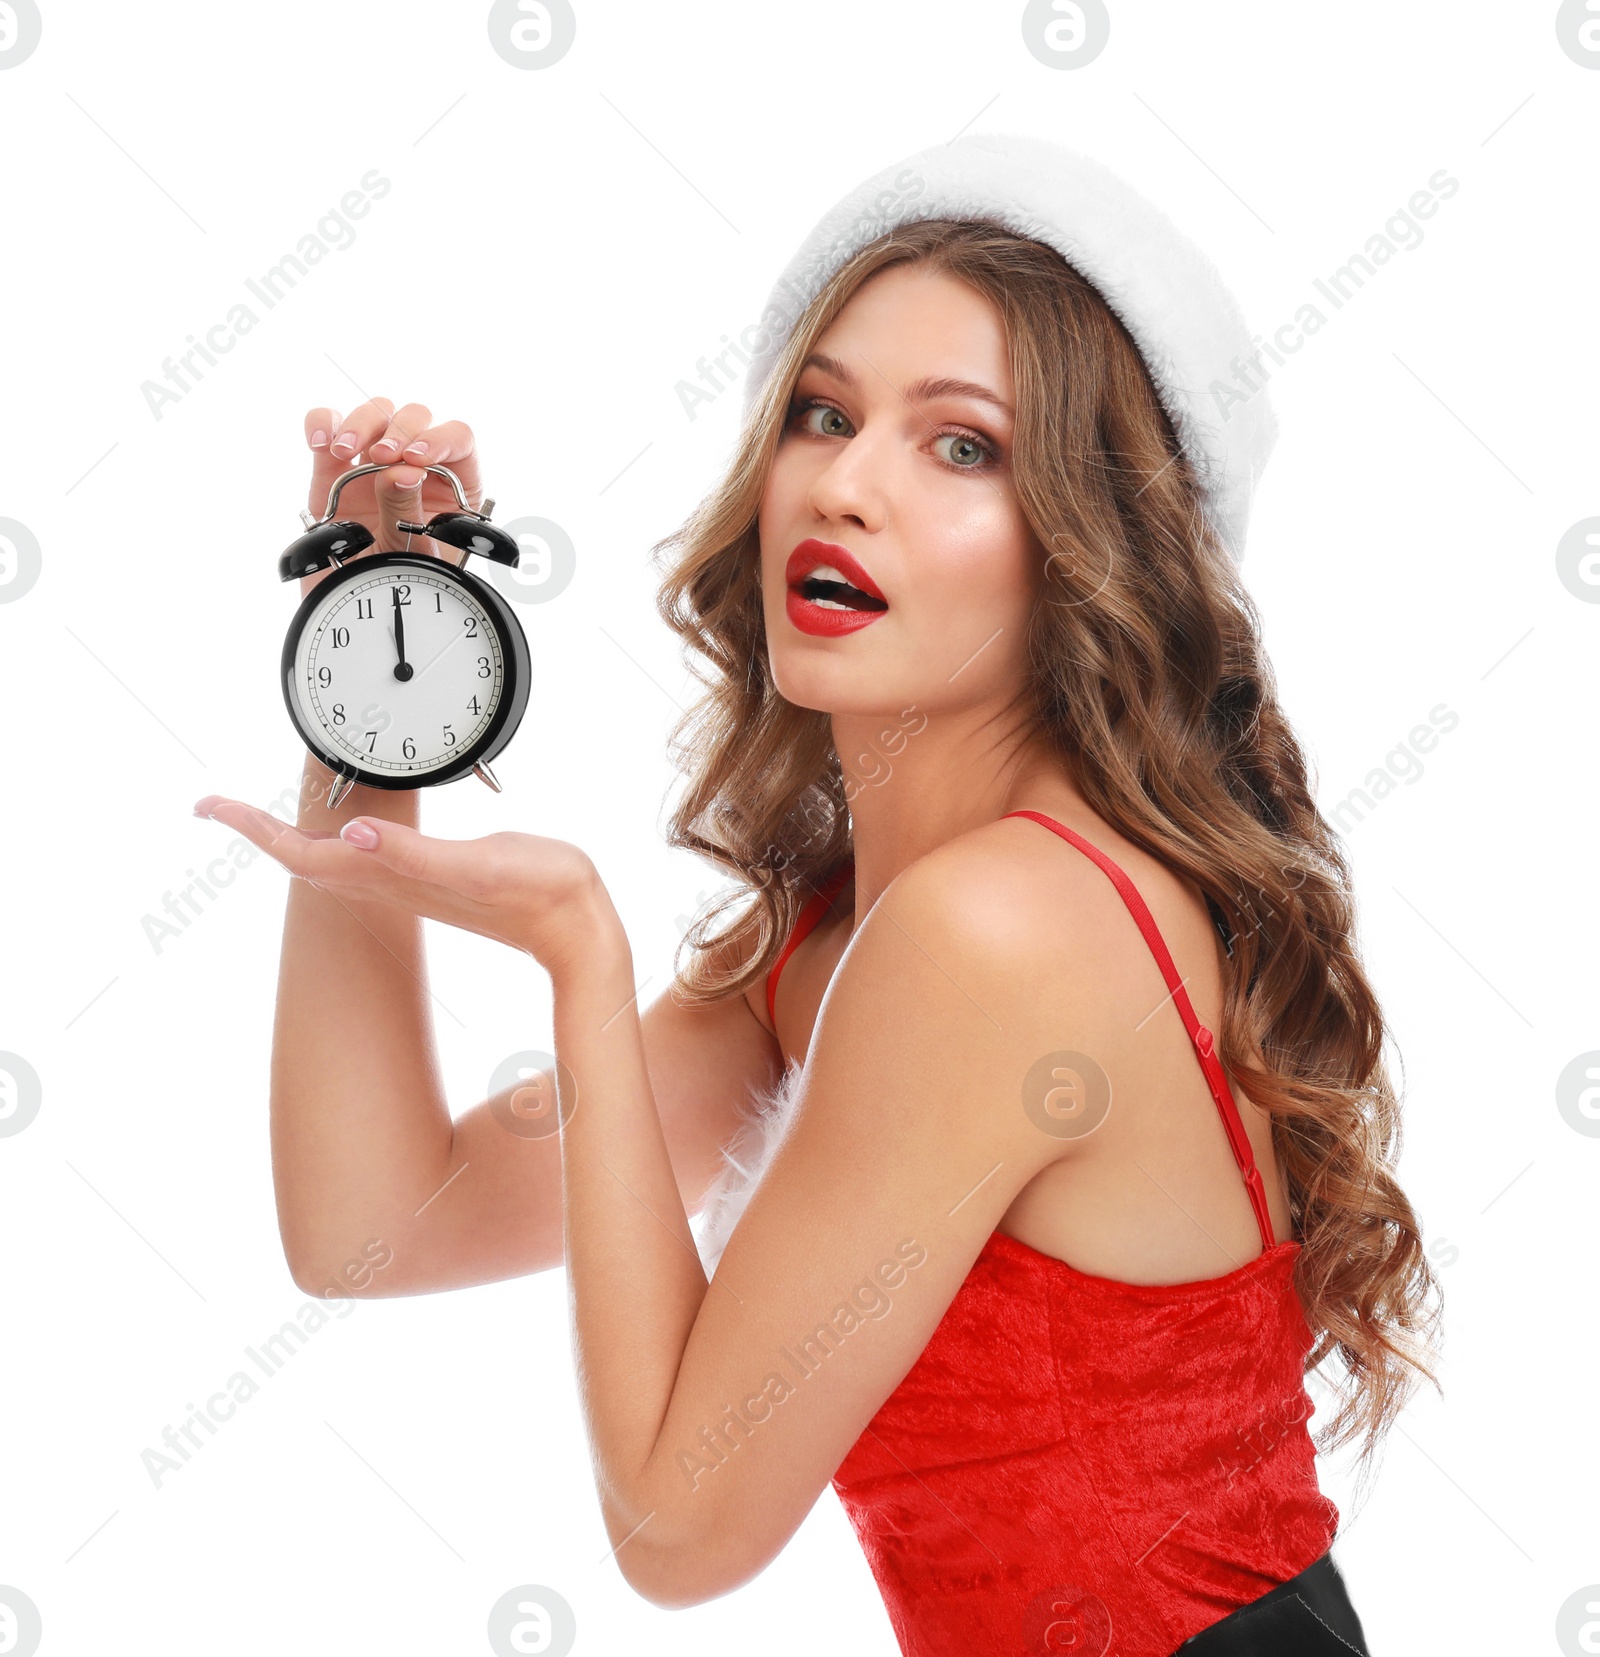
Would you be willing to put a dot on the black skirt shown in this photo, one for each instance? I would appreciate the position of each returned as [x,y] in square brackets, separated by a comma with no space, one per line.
[1310,1615]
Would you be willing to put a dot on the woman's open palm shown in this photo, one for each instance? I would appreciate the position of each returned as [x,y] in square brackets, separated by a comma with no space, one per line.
[538,895]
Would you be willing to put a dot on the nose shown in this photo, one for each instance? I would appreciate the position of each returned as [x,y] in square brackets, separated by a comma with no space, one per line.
[850,487]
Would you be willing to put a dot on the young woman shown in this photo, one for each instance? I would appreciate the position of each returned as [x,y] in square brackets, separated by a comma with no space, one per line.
[1071,1155]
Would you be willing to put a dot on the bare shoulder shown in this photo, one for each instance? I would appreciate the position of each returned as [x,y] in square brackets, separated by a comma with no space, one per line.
[1040,933]
[972,926]
[1006,893]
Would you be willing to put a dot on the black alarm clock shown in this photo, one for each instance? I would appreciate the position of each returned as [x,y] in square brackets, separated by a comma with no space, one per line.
[402,670]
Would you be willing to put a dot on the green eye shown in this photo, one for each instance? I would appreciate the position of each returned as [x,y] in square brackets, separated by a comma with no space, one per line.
[971,445]
[815,405]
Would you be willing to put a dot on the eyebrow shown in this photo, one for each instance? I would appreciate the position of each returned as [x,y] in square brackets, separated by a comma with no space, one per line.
[922,391]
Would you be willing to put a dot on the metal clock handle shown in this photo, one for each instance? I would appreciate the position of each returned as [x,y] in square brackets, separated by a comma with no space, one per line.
[373,466]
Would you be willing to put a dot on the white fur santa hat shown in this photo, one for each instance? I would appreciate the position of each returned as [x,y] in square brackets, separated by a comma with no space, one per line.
[1168,295]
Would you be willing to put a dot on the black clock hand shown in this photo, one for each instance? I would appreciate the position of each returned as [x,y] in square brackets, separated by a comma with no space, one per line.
[402,668]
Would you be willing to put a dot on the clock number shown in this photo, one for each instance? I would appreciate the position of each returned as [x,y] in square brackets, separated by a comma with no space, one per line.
[473,704]
[404,590]
[438,604]
[471,625]
[449,737]
[338,713]
[372,737]
[408,749]
[483,664]
[341,637]
[324,677]
[363,609]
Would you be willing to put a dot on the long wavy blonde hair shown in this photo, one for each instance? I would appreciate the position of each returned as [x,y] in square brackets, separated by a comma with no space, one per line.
[1150,683]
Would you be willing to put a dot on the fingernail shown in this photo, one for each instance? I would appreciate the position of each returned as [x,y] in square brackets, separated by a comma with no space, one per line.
[319,439]
[359,834]
[387,444]
[344,446]
[419,448]
[202,807]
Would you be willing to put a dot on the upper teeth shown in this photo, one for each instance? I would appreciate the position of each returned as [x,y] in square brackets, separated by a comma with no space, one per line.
[826,572]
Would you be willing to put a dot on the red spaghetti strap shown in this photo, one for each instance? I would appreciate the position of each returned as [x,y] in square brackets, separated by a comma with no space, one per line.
[1204,1044]
[815,908]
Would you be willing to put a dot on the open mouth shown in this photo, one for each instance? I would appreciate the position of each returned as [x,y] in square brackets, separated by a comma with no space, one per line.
[830,593]
[828,590]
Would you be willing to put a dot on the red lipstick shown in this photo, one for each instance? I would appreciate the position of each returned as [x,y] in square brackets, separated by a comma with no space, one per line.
[836,602]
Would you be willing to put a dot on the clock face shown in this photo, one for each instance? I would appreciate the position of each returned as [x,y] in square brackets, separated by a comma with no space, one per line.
[400,670]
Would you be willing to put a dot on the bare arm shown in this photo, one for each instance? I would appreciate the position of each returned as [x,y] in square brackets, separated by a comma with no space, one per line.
[379,1192]
[357,1115]
[367,1163]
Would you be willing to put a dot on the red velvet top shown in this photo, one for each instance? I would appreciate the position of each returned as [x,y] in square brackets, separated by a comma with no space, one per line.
[1077,1464]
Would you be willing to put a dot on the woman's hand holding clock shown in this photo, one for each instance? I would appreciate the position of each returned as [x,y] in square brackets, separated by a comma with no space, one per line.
[401,667]
[404,441]
[538,895]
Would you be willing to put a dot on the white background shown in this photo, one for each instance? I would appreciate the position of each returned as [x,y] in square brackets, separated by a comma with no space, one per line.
[558,248]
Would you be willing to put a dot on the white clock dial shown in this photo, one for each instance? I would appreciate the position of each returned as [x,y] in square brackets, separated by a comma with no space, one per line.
[399,672]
